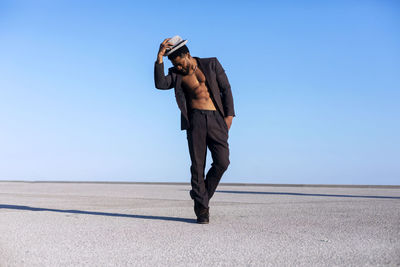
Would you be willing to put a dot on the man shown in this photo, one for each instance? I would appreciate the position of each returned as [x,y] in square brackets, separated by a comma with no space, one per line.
[204,96]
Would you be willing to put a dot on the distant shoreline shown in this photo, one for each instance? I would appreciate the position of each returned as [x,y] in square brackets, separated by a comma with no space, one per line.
[222,184]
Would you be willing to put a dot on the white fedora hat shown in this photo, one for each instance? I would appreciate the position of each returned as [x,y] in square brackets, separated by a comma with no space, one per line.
[177,42]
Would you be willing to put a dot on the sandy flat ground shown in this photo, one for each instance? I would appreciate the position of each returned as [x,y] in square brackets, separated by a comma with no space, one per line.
[100,224]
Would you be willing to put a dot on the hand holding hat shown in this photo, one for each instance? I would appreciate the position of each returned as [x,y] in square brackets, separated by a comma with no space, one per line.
[163,47]
[177,42]
[170,45]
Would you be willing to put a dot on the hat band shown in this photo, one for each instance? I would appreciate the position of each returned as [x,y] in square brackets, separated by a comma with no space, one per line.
[176,45]
[179,43]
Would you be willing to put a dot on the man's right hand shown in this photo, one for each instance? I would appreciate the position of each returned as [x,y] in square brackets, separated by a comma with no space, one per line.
[163,48]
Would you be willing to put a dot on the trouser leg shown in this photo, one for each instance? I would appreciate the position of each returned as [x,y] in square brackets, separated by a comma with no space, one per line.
[217,142]
[197,142]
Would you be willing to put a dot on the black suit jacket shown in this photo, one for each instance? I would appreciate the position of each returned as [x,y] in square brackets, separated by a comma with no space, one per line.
[216,82]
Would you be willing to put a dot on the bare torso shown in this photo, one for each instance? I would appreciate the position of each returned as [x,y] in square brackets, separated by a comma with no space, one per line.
[196,91]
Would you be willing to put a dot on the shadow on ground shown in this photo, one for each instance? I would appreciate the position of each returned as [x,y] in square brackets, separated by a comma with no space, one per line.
[149,217]
[301,194]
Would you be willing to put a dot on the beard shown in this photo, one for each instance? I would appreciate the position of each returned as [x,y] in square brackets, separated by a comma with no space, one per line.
[189,66]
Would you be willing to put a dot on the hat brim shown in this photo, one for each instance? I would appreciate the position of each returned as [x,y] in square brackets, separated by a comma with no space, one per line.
[175,48]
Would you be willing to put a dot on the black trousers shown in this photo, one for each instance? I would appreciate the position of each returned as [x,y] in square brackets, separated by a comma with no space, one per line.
[207,129]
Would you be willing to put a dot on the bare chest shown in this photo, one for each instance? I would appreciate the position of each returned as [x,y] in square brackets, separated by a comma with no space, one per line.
[191,82]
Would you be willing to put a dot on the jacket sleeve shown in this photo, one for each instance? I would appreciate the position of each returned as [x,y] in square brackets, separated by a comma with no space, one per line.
[160,80]
[225,89]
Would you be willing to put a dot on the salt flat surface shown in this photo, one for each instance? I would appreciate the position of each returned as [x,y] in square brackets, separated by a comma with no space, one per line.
[98,224]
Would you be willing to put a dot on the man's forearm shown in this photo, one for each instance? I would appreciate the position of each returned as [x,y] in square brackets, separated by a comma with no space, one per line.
[159,59]
[161,81]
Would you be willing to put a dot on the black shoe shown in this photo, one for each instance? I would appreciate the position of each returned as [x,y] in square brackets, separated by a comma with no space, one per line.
[203,216]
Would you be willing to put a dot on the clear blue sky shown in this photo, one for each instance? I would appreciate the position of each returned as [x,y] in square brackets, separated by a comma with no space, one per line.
[316,86]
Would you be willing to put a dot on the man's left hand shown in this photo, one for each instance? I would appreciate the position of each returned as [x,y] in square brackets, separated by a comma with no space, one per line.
[228,121]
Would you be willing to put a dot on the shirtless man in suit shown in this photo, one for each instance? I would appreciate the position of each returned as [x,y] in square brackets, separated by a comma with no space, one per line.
[209,115]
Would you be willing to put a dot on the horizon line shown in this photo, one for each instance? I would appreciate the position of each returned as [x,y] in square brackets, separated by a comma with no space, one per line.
[225,184]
